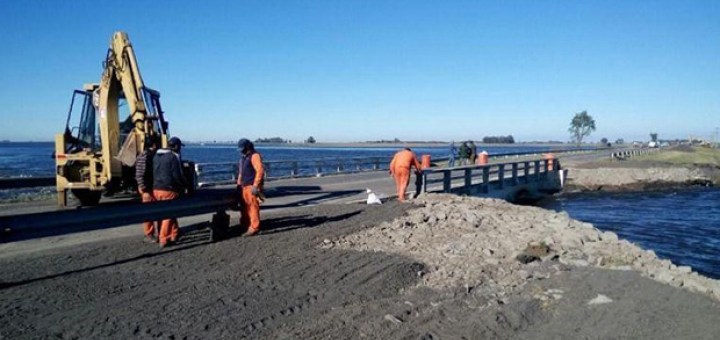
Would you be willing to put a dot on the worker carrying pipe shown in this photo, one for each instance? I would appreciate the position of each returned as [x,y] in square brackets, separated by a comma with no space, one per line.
[400,167]
[250,182]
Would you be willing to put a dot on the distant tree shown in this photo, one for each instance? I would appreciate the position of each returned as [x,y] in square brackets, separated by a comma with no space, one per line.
[619,141]
[498,139]
[310,140]
[272,140]
[581,126]
[396,140]
[653,136]
[604,141]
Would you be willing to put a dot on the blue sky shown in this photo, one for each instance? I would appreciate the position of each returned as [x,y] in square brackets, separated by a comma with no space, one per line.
[366,70]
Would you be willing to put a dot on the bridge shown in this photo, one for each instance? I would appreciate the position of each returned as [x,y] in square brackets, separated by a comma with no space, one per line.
[514,177]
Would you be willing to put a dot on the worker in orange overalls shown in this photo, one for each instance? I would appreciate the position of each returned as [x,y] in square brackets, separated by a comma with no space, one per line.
[144,179]
[400,170]
[250,182]
[168,184]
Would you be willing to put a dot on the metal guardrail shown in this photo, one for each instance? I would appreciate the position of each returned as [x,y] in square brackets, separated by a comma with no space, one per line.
[26,182]
[499,174]
[625,154]
[212,174]
[119,214]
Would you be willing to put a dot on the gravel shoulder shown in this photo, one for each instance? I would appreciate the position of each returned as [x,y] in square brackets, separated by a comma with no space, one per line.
[296,281]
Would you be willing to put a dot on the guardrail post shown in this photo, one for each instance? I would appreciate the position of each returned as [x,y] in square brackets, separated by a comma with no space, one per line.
[447,174]
[501,176]
[318,167]
[376,164]
[537,171]
[340,166]
[468,180]
[546,167]
[515,174]
[294,170]
[486,179]
[526,171]
[235,171]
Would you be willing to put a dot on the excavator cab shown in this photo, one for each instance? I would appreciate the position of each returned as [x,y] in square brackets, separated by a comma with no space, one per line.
[81,136]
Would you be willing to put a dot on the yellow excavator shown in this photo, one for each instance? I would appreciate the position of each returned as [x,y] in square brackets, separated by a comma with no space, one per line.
[98,155]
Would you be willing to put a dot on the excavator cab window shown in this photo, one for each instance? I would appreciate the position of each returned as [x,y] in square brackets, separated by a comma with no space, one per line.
[82,136]
[155,113]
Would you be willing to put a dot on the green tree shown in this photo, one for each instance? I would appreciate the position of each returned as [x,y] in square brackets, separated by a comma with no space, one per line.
[310,140]
[653,136]
[581,126]
[604,141]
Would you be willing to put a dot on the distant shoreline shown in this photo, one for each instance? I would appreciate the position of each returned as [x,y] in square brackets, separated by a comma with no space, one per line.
[360,144]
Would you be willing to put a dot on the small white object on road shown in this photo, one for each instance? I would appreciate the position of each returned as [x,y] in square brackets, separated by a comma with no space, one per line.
[599,300]
[372,198]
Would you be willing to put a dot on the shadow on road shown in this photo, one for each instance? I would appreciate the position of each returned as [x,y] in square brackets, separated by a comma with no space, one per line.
[192,237]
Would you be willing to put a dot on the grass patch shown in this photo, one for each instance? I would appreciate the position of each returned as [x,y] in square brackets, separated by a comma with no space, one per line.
[699,156]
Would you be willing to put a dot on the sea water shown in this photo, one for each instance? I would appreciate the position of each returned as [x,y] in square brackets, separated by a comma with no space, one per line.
[682,226]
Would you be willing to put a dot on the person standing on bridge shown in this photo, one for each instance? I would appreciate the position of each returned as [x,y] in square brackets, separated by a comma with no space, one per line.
[168,184]
[453,151]
[472,150]
[144,179]
[400,167]
[462,153]
[250,180]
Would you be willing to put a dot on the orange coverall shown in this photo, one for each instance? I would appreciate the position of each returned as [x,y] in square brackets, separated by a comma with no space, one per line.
[148,226]
[169,228]
[400,170]
[249,205]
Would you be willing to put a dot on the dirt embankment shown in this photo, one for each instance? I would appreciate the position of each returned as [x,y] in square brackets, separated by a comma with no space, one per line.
[640,178]
[674,168]
[444,267]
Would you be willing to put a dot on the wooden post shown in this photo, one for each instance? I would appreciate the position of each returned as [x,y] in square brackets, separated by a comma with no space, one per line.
[501,176]
[424,181]
[468,180]
[447,174]
[486,179]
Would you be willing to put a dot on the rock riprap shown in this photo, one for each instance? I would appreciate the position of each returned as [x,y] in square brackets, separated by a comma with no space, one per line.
[493,247]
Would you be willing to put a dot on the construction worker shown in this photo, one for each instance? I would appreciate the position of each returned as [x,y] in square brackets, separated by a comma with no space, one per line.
[463,153]
[250,181]
[472,150]
[400,167]
[168,184]
[453,152]
[144,179]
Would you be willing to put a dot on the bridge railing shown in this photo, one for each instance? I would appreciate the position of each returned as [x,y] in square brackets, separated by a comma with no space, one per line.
[212,174]
[490,176]
[628,153]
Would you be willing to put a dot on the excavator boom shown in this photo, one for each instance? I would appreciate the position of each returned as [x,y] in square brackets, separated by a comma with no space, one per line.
[87,169]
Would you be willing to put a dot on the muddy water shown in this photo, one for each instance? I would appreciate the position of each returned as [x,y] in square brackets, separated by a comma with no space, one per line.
[682,226]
